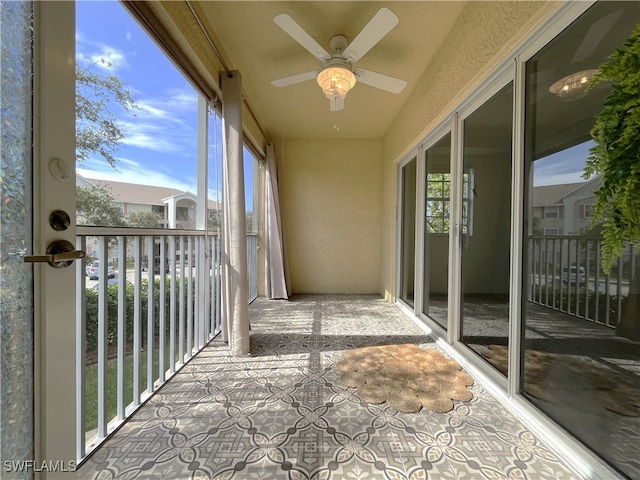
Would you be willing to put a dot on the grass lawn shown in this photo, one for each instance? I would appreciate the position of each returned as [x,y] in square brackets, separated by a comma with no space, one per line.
[91,421]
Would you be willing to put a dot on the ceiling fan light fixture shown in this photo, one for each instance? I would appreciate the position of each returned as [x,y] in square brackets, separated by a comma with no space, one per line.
[573,86]
[336,82]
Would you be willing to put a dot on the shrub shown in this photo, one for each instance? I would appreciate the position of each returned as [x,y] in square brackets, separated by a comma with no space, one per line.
[91,319]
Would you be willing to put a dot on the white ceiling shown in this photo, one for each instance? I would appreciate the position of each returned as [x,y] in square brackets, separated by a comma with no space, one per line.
[262,51]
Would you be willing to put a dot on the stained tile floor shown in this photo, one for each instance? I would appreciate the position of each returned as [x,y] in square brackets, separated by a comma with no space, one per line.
[282,413]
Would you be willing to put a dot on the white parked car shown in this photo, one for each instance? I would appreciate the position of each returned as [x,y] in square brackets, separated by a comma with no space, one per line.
[573,274]
[93,270]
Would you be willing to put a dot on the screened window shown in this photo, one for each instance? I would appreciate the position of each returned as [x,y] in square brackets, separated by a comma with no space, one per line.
[588,211]
[182,213]
[551,212]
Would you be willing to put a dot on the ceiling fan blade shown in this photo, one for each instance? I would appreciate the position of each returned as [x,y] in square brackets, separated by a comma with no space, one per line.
[381,24]
[299,78]
[378,80]
[290,26]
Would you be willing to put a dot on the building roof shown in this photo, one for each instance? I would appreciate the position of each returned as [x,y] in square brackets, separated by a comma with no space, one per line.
[553,194]
[141,194]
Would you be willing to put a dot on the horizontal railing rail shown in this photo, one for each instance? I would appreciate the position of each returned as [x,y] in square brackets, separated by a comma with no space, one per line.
[136,329]
[566,275]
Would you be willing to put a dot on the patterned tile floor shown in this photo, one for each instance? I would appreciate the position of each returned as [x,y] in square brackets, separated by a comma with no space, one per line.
[282,412]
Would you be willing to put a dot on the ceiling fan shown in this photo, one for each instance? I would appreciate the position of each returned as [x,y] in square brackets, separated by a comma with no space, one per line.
[337,75]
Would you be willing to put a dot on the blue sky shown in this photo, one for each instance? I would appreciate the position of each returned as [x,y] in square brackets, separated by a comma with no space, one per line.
[160,146]
[566,166]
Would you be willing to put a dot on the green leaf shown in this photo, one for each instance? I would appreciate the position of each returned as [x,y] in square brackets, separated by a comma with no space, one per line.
[616,154]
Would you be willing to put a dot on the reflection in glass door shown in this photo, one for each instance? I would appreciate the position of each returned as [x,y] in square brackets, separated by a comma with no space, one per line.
[436,238]
[579,367]
[486,226]
[408,232]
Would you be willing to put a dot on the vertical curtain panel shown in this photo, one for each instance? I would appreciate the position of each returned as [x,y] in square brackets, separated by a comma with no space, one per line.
[236,274]
[278,286]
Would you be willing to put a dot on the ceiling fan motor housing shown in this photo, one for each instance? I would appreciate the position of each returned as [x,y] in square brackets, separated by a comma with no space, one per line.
[337,62]
[338,43]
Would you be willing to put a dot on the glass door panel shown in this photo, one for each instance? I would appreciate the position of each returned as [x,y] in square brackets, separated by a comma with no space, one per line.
[486,225]
[578,366]
[436,238]
[16,277]
[37,383]
[408,233]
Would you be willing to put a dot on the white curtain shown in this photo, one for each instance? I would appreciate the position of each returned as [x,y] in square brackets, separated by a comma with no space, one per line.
[278,285]
[235,271]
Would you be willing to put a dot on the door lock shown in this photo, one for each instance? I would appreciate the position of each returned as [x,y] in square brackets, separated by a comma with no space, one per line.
[60,254]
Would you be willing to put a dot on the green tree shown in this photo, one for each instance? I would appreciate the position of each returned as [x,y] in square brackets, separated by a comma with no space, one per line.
[95,206]
[616,153]
[214,222]
[144,219]
[97,129]
[616,156]
[250,226]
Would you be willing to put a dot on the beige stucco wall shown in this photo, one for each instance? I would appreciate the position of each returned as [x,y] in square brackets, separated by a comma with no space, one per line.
[330,197]
[483,37]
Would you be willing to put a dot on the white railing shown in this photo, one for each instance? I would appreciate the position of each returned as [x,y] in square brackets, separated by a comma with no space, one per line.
[135,330]
[566,276]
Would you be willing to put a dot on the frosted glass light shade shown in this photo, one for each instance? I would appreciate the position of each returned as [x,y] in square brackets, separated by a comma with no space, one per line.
[336,82]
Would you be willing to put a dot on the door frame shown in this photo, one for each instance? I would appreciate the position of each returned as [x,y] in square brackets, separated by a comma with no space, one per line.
[399,260]
[54,189]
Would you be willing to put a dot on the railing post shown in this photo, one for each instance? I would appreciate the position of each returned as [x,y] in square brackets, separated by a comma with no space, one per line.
[81,349]
[122,317]
[151,266]
[162,310]
[598,259]
[102,338]
[172,307]
[587,278]
[137,318]
[190,300]
[181,302]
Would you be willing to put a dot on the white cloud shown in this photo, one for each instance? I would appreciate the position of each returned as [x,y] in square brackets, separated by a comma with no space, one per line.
[131,171]
[172,102]
[152,111]
[164,124]
[104,57]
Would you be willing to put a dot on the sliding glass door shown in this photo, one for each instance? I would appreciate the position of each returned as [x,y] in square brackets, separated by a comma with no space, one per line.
[436,230]
[579,367]
[486,226]
[408,232]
